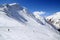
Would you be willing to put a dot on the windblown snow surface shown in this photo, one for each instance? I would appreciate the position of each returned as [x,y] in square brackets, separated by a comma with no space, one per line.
[16,23]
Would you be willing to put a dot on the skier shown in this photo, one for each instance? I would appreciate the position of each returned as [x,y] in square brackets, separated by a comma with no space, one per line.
[59,30]
[8,29]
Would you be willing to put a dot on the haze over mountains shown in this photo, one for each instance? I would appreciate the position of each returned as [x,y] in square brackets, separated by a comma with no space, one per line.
[17,23]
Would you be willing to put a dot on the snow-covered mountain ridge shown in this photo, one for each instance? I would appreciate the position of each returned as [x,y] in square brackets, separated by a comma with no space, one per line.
[16,23]
[55,19]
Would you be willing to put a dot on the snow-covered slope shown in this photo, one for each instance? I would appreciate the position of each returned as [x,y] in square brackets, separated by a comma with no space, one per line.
[16,23]
[55,19]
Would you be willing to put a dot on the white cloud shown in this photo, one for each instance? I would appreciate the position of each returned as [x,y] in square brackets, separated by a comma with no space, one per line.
[38,13]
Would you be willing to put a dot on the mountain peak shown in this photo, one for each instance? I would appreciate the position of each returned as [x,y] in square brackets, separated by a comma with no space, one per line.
[55,19]
[14,11]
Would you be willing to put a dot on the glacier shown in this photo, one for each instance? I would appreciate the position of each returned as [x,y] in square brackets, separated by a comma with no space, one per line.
[17,23]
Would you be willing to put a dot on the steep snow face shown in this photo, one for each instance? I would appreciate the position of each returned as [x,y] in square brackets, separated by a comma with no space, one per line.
[6,21]
[14,11]
[17,24]
[55,19]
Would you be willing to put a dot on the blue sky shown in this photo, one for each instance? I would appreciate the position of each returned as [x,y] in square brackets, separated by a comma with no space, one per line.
[48,6]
